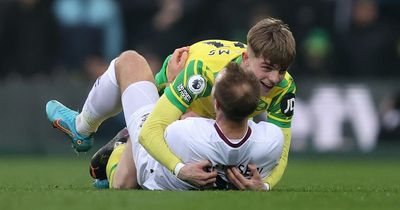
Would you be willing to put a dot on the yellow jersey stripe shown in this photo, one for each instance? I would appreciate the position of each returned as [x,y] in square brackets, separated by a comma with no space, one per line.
[278,119]
[178,98]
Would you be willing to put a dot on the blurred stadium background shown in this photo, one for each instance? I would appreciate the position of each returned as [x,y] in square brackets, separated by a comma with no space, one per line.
[347,69]
[346,127]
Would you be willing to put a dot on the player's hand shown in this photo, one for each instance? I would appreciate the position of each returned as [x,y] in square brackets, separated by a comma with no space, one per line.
[177,63]
[254,183]
[195,174]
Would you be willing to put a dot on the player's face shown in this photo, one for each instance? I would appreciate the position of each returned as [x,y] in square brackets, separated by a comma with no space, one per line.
[268,74]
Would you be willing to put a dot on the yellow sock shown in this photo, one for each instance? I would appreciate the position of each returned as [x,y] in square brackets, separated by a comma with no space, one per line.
[113,163]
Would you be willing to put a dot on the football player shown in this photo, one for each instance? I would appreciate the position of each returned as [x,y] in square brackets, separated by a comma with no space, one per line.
[268,54]
[229,144]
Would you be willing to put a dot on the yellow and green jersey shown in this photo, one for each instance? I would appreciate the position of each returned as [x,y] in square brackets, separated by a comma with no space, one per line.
[192,87]
[192,90]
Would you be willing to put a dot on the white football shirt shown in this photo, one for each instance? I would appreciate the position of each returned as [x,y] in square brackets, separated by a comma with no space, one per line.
[196,139]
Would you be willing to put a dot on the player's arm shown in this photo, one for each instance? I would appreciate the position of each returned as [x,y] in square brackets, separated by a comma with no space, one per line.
[172,104]
[277,172]
[280,114]
[152,139]
[152,133]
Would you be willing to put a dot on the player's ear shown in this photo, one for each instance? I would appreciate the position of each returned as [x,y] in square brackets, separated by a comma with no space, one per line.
[245,56]
[216,105]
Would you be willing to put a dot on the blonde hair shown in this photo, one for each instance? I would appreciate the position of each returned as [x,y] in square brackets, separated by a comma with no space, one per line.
[273,40]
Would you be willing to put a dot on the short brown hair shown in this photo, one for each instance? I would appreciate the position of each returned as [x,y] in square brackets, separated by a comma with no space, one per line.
[273,40]
[237,92]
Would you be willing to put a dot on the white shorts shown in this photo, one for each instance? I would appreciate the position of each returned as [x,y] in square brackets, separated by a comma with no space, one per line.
[138,101]
[144,163]
[150,174]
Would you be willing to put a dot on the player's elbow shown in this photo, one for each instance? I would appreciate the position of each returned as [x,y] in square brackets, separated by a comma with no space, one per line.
[143,135]
[147,135]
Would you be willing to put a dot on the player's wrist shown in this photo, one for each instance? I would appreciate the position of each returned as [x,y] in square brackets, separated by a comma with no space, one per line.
[178,168]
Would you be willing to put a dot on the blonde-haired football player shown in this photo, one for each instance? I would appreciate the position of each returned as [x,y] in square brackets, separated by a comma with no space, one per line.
[231,143]
[268,54]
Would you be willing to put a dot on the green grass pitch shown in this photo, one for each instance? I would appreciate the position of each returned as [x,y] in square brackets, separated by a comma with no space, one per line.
[309,183]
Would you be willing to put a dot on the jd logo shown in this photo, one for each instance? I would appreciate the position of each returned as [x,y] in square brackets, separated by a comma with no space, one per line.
[287,104]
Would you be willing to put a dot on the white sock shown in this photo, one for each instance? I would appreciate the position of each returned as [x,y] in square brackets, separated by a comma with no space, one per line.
[103,102]
[136,96]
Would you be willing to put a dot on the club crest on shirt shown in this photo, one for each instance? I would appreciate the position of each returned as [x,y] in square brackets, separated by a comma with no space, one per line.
[196,84]
[262,105]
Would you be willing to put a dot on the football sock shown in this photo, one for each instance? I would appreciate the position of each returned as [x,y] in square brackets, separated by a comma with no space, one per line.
[103,102]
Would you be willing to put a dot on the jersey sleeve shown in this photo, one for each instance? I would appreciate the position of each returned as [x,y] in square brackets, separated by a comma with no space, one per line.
[161,77]
[277,172]
[280,113]
[152,133]
[190,84]
[281,110]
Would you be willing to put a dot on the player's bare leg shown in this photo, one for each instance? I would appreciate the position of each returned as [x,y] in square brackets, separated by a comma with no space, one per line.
[132,67]
[136,83]
[125,172]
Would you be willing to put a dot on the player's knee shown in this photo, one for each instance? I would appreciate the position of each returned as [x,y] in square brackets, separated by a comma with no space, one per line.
[130,56]
[127,62]
[134,64]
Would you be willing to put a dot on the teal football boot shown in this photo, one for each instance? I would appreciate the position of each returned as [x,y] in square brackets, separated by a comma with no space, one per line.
[63,119]
[101,184]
